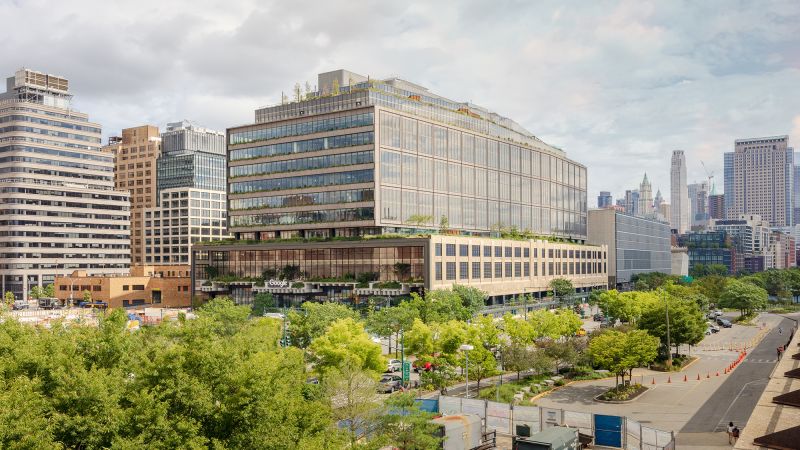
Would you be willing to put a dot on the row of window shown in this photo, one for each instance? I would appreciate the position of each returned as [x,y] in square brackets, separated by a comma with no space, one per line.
[315,198]
[61,153]
[499,251]
[316,162]
[52,123]
[304,181]
[308,145]
[427,139]
[412,172]
[301,128]
[290,218]
[61,134]
[510,269]
[74,215]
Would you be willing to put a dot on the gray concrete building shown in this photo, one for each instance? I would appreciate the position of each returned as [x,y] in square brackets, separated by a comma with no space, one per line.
[635,244]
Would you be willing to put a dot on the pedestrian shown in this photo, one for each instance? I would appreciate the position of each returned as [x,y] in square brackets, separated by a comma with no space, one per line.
[735,434]
[730,432]
[780,330]
[780,350]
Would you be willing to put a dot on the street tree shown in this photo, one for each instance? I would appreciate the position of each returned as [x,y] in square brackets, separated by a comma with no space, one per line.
[439,305]
[484,336]
[313,319]
[518,358]
[627,307]
[436,346]
[745,297]
[686,322]
[354,401]
[390,322]
[712,286]
[554,324]
[561,288]
[407,426]
[9,298]
[620,352]
[36,292]
[472,299]
[87,296]
[262,302]
[49,291]
[345,343]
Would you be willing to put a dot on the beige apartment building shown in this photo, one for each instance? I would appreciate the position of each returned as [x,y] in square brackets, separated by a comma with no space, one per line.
[165,286]
[136,153]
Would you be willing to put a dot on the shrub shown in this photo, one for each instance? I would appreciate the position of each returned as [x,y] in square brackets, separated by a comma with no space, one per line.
[298,285]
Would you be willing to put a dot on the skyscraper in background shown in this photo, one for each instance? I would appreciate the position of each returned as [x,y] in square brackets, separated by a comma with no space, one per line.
[763,173]
[645,198]
[728,173]
[716,206]
[679,195]
[698,200]
[796,190]
[604,200]
[59,207]
[632,202]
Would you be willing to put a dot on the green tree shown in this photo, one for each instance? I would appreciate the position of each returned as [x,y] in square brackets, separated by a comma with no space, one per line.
[49,291]
[745,297]
[484,336]
[561,288]
[712,286]
[439,305]
[313,319]
[717,269]
[563,353]
[9,298]
[407,427]
[554,324]
[354,400]
[686,322]
[346,343]
[440,349]
[419,220]
[627,307]
[620,352]
[87,296]
[262,302]
[36,292]
[473,299]
[517,358]
[389,322]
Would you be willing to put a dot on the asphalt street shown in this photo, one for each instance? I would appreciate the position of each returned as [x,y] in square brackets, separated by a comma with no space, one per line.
[736,398]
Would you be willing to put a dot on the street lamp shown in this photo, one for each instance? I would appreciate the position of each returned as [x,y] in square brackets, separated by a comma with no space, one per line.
[466,348]
[669,344]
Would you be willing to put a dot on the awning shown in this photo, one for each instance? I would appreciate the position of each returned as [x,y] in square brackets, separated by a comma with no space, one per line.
[790,398]
[794,373]
[781,440]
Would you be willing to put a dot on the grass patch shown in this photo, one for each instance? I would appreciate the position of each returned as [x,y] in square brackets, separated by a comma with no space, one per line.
[623,393]
[746,319]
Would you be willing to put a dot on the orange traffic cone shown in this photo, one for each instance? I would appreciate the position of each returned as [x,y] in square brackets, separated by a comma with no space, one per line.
[717,373]
[708,375]
[684,378]
[654,381]
[698,377]
[669,379]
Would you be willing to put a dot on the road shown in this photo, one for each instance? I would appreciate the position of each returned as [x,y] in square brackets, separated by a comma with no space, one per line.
[735,399]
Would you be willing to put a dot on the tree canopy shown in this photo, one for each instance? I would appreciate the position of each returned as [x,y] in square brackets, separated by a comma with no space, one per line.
[746,297]
[313,319]
[621,352]
[346,343]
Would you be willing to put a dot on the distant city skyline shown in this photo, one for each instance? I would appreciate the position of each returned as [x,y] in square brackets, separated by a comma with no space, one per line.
[618,86]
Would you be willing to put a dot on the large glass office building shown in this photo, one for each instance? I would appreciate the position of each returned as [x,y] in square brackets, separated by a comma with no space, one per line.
[363,157]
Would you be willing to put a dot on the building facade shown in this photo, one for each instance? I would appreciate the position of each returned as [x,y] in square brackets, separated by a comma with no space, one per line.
[632,202]
[167,287]
[763,171]
[709,247]
[635,244]
[136,153]
[716,206]
[645,208]
[59,210]
[366,157]
[698,200]
[192,200]
[679,194]
[728,173]
[604,200]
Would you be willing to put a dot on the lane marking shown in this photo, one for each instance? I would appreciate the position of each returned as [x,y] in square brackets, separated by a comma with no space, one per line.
[725,414]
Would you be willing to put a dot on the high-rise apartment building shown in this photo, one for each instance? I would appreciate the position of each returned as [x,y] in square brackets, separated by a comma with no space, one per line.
[604,200]
[136,153]
[698,200]
[679,194]
[716,206]
[728,173]
[191,194]
[368,157]
[59,211]
[763,172]
[632,202]
[796,189]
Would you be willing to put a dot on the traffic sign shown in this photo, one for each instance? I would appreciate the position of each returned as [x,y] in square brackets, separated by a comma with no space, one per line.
[406,371]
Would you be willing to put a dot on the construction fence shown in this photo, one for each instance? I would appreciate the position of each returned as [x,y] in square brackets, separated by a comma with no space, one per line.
[510,420]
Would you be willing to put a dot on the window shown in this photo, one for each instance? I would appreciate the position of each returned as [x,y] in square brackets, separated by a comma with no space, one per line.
[450,250]
[96,288]
[463,270]
[498,252]
[138,287]
[498,270]
[476,270]
[438,270]
[518,252]
[487,251]
[463,250]
[487,270]
[451,271]
[517,269]
[508,252]
[508,270]
[476,250]
[438,251]
[527,269]
[125,287]
[526,252]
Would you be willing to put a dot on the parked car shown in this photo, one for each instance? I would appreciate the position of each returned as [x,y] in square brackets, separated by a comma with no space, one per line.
[419,366]
[726,323]
[708,331]
[20,304]
[717,313]
[714,328]
[580,332]
[394,365]
[390,383]
[598,317]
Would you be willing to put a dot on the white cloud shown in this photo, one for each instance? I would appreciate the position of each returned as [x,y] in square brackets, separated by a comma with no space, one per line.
[618,85]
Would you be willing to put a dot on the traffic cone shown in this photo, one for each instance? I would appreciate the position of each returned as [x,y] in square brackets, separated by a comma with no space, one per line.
[708,375]
[717,373]
[669,379]
[654,381]
[684,378]
[698,377]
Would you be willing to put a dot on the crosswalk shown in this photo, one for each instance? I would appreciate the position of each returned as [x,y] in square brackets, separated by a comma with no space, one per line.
[763,361]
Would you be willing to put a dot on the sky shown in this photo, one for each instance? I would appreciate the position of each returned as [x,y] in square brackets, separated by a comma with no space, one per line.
[617,84]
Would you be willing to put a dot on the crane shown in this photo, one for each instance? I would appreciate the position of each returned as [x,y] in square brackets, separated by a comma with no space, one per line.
[710,175]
